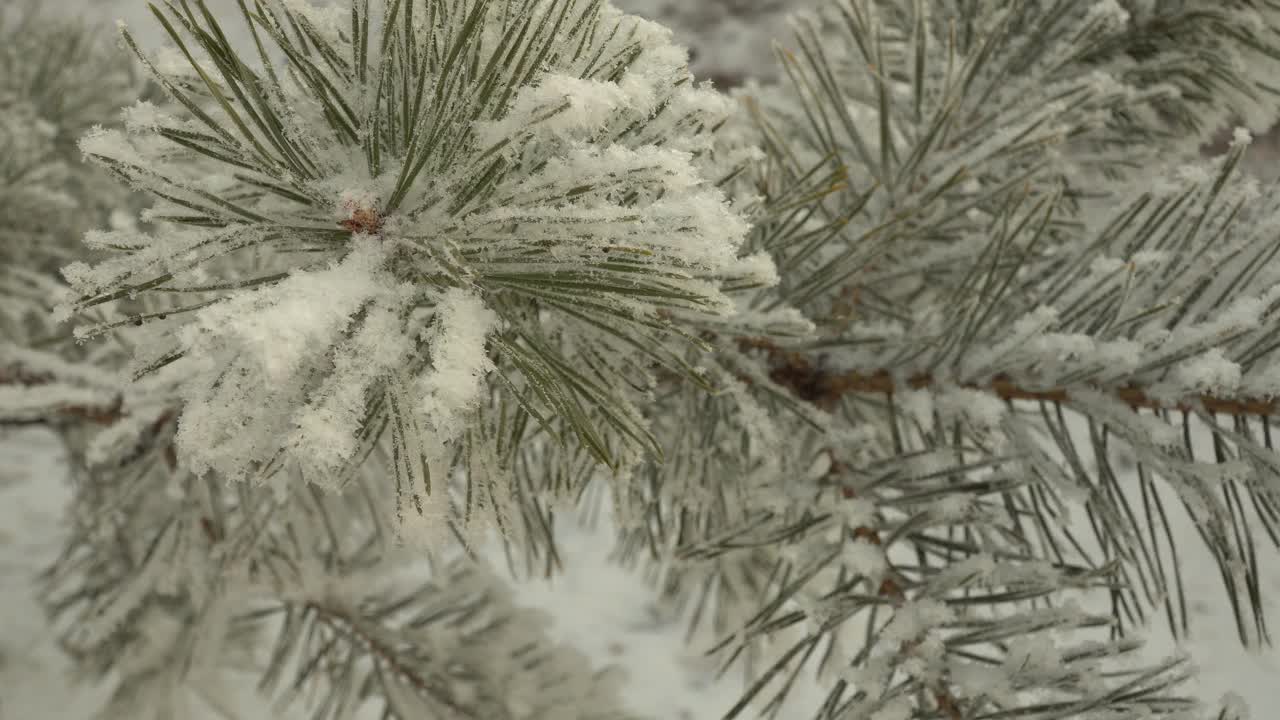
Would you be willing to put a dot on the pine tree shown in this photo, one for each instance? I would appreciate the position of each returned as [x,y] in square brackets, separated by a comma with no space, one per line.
[848,351]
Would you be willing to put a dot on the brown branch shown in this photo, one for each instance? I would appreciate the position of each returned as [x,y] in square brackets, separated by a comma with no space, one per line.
[18,375]
[825,388]
[210,532]
[361,220]
[99,414]
[947,703]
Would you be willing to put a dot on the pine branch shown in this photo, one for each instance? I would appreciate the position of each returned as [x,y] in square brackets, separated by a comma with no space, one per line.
[540,188]
[348,623]
[436,261]
[31,403]
[826,387]
[944,196]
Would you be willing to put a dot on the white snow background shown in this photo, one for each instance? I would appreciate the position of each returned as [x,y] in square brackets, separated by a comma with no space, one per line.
[602,609]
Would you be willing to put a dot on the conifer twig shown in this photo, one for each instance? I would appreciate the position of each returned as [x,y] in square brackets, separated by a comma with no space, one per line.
[824,388]
[343,623]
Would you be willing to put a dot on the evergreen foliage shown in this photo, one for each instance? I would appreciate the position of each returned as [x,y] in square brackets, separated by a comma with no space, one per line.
[849,352]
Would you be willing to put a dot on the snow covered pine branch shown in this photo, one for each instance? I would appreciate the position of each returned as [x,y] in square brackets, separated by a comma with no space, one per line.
[454,261]
[365,233]
[397,252]
[1030,300]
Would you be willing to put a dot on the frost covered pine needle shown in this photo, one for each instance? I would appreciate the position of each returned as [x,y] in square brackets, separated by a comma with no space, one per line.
[365,188]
